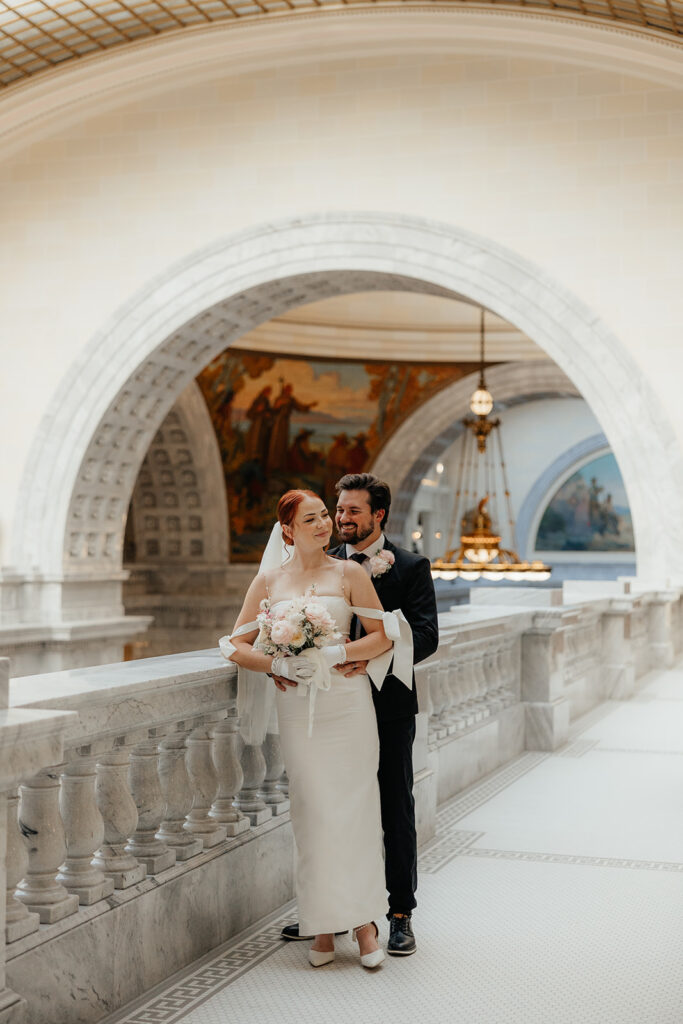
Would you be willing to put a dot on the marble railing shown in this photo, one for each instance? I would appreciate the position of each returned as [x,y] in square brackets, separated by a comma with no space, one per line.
[135,805]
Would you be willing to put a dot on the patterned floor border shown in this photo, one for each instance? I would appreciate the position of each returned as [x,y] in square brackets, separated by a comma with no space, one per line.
[567,858]
[175,997]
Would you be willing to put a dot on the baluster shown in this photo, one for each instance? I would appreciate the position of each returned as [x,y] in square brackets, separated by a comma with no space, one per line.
[177,793]
[458,686]
[227,747]
[120,814]
[41,823]
[283,784]
[480,708]
[143,778]
[202,773]
[492,700]
[84,832]
[19,921]
[435,701]
[249,799]
[271,792]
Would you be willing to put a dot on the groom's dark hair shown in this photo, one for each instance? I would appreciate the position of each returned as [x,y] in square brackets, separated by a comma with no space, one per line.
[378,491]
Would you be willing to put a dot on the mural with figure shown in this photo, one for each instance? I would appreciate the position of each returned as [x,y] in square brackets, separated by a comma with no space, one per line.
[589,512]
[296,422]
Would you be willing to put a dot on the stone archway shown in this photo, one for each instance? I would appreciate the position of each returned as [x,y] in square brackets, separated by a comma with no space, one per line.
[76,487]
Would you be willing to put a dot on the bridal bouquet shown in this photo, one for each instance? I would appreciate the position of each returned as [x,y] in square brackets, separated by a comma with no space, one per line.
[300,624]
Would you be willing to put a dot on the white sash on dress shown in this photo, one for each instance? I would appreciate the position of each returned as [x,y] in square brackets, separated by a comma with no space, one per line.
[255,712]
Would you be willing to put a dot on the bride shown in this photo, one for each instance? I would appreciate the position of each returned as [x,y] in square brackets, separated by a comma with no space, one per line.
[329,739]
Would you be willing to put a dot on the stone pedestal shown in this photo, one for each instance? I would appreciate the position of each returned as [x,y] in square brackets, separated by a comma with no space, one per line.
[546,724]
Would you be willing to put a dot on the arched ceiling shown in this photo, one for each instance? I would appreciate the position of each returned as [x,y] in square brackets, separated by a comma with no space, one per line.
[37,35]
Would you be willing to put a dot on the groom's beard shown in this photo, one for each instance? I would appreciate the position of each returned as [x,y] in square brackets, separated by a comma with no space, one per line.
[354,535]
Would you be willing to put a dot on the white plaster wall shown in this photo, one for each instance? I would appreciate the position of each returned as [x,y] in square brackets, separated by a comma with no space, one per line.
[577,170]
[534,435]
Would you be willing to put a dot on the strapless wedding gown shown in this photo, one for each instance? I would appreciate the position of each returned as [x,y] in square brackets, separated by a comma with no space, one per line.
[334,798]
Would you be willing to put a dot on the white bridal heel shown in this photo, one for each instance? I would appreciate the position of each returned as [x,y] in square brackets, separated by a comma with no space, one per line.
[375,958]
[318,959]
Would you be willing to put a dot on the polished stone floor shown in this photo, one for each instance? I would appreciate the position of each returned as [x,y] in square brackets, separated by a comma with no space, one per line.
[552,894]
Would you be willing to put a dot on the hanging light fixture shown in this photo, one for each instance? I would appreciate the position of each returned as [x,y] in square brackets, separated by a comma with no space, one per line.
[481,475]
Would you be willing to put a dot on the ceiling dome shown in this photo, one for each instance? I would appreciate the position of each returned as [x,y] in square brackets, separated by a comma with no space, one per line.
[36,35]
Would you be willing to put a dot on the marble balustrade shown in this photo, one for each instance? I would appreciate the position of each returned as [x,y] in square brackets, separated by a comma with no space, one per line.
[151,806]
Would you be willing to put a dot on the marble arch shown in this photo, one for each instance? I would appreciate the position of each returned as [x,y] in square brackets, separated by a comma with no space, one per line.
[85,458]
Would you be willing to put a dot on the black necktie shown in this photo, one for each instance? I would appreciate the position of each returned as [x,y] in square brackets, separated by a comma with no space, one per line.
[359,557]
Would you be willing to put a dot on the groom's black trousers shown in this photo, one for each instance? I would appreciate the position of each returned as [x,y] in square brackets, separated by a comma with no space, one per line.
[398,811]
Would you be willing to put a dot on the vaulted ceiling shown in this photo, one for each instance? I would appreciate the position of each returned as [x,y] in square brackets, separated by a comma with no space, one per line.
[36,35]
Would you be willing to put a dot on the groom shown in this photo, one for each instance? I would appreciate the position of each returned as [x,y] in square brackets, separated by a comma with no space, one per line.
[363,504]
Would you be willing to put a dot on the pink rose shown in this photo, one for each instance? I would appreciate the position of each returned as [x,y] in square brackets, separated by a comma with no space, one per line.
[282,632]
[318,615]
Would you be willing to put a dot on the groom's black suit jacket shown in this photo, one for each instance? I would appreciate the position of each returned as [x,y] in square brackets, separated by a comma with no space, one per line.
[407,585]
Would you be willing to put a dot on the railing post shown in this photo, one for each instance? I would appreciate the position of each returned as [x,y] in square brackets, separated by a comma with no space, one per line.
[272,794]
[202,773]
[546,709]
[249,799]
[618,664]
[177,793]
[41,823]
[120,815]
[84,832]
[143,778]
[19,921]
[227,746]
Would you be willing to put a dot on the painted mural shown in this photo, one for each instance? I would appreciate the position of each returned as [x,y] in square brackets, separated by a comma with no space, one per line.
[589,512]
[297,422]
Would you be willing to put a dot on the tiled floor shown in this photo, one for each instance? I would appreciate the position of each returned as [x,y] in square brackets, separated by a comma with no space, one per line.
[552,894]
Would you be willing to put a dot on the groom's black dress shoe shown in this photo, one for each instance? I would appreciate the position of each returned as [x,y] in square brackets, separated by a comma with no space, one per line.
[401,938]
[291,933]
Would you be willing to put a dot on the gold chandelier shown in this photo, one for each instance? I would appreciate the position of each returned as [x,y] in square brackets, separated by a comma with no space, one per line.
[481,475]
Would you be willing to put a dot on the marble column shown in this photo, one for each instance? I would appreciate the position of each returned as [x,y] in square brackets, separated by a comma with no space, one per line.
[143,778]
[177,793]
[227,747]
[41,823]
[120,815]
[84,833]
[19,921]
[542,671]
[204,781]
[249,799]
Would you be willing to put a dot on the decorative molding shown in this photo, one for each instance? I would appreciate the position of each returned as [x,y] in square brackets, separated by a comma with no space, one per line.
[85,88]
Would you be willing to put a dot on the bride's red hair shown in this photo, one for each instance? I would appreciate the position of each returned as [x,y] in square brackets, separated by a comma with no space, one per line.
[287,506]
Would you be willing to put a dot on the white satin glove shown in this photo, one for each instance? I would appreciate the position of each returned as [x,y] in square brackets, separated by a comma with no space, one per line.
[335,655]
[296,668]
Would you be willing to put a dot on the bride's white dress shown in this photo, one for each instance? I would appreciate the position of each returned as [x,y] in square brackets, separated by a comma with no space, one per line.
[334,798]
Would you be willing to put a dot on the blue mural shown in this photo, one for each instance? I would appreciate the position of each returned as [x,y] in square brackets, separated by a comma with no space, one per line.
[589,512]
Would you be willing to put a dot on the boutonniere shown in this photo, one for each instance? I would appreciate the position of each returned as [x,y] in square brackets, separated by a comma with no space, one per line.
[381,562]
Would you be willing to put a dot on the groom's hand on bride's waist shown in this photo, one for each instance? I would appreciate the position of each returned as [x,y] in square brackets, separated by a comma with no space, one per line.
[352,668]
[281,682]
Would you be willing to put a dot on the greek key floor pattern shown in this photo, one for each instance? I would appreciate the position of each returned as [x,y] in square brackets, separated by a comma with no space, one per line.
[552,893]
